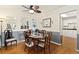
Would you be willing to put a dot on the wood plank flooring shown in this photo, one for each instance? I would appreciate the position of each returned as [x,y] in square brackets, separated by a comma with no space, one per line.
[69,42]
[19,49]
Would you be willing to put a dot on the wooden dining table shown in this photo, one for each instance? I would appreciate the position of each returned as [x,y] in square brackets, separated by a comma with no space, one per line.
[36,39]
[36,36]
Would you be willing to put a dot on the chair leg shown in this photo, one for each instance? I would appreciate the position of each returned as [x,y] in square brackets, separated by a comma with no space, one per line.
[6,46]
[34,49]
[28,50]
[44,50]
[49,49]
[16,42]
[25,48]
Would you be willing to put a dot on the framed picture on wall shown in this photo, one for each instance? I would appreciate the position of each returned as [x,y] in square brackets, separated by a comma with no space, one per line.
[47,22]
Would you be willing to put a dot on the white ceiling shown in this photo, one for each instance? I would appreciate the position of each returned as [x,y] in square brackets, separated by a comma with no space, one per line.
[19,7]
[48,7]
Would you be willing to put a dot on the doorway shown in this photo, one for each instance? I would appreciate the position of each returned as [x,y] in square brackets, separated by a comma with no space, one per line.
[69,29]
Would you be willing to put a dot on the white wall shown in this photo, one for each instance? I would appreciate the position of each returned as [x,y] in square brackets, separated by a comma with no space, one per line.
[55,16]
[48,11]
[11,14]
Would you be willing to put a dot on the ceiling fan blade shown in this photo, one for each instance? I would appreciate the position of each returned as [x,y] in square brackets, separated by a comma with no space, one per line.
[35,7]
[31,7]
[25,7]
[37,11]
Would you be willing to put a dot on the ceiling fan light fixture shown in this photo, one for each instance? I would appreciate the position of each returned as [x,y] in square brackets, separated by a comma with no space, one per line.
[31,11]
[35,7]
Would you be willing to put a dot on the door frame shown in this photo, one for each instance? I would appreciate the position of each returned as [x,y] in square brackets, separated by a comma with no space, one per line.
[60,26]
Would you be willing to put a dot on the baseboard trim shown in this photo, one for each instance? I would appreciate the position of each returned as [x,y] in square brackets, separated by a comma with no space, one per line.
[55,43]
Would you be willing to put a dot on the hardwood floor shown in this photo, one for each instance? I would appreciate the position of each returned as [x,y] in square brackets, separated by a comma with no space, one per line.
[19,49]
[69,42]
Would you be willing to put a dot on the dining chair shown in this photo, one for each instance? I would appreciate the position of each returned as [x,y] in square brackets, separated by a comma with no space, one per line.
[43,33]
[48,41]
[29,44]
[42,41]
[9,38]
[45,42]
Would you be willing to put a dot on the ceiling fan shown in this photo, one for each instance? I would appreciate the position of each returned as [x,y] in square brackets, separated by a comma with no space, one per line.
[32,8]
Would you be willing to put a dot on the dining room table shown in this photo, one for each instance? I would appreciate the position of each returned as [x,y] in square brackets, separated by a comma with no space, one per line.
[36,39]
[39,38]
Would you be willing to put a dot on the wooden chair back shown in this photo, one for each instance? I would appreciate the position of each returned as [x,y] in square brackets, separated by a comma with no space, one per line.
[47,41]
[43,32]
